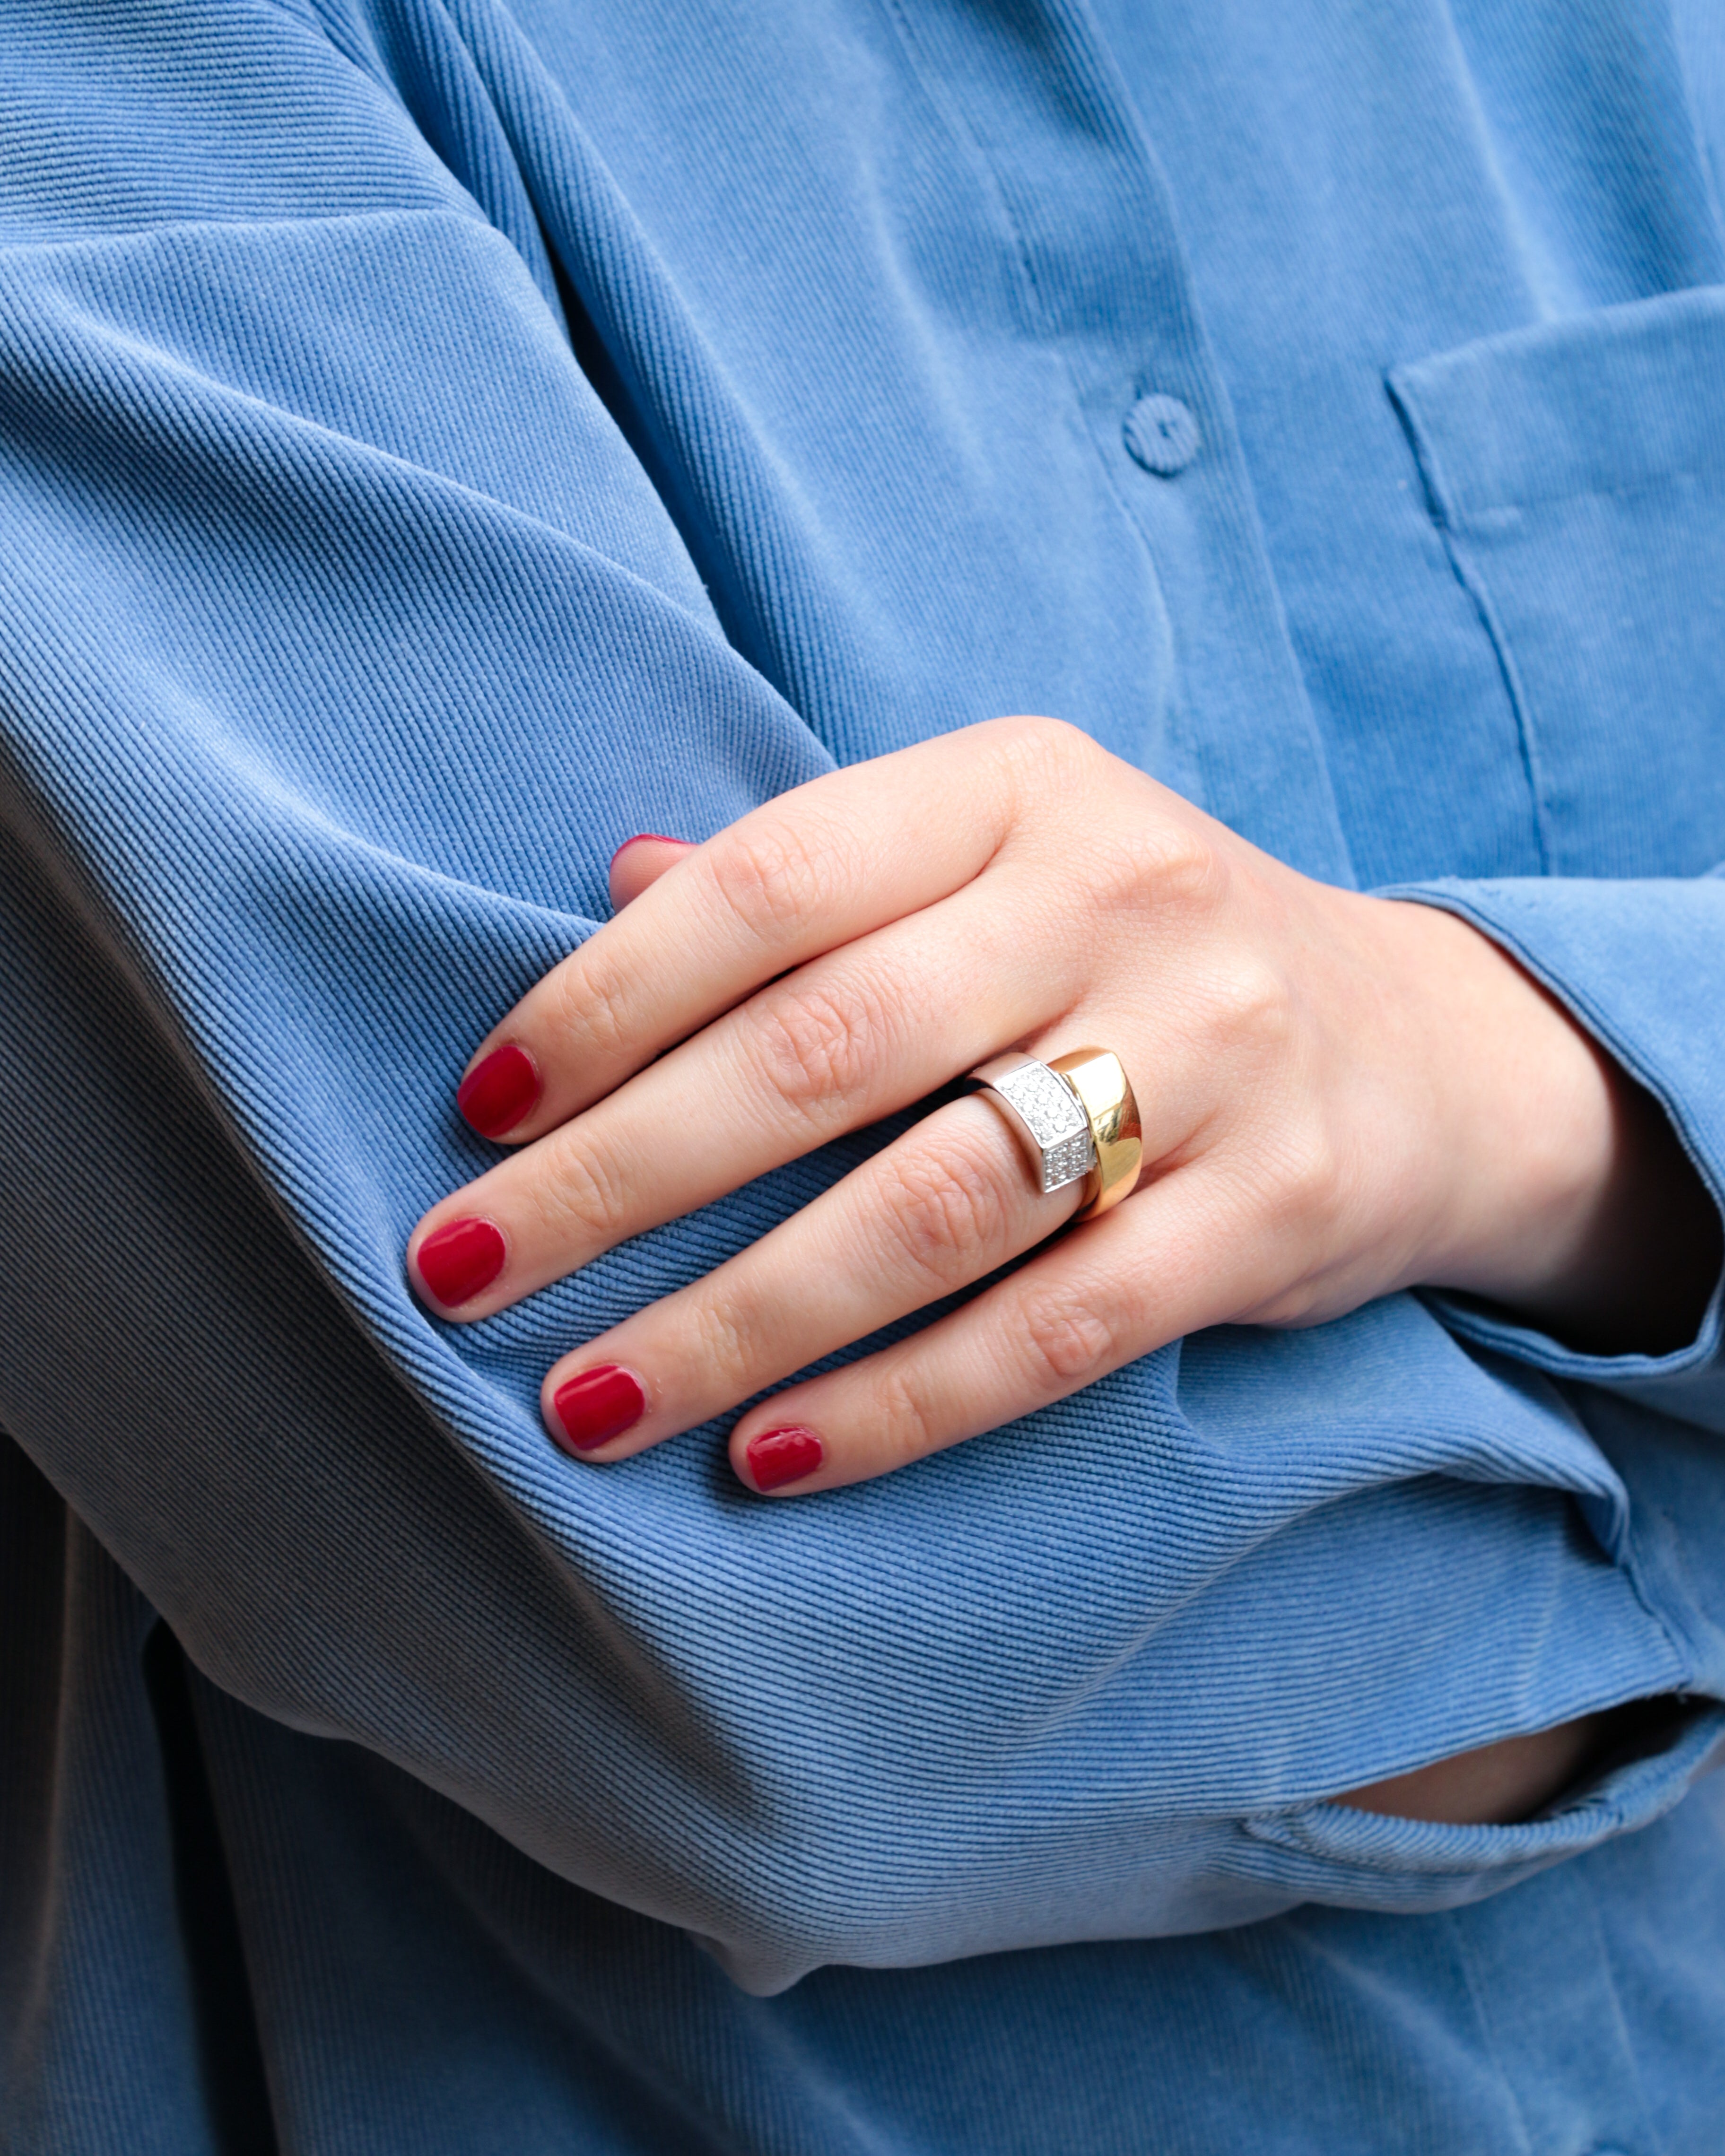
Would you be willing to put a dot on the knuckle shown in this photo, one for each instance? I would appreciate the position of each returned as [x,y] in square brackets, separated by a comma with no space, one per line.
[1160,864]
[1300,1189]
[1035,738]
[904,1418]
[820,1047]
[772,876]
[1303,1303]
[724,1340]
[1066,1341]
[1308,1174]
[581,1201]
[592,1005]
[1257,1002]
[1045,755]
[952,1213]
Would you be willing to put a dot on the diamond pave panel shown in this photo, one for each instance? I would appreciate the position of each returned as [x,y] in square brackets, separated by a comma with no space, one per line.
[1050,1110]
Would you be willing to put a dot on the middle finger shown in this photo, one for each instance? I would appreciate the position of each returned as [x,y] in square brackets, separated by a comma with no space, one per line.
[841,1042]
[940,1207]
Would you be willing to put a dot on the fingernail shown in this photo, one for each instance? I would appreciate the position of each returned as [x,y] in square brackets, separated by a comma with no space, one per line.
[499,1091]
[460,1260]
[598,1405]
[782,1455]
[657,838]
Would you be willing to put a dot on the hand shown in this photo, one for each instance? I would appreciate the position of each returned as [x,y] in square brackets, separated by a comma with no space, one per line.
[1341,1096]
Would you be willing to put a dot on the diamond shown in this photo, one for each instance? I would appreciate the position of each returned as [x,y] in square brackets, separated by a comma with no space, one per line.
[1067,1161]
[1054,1117]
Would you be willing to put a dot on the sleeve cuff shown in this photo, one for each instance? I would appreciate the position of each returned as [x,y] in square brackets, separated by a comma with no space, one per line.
[1641,966]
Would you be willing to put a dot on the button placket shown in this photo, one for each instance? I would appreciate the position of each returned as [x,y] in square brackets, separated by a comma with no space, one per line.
[1104,285]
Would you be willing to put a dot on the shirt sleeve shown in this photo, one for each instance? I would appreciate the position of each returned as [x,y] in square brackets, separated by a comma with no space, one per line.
[342,637]
[1641,966]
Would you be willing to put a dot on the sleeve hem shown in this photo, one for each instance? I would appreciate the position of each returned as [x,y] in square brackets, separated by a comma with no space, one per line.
[1434,1864]
[1475,1320]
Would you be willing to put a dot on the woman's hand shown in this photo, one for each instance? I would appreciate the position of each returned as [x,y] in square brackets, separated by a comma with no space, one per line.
[1341,1096]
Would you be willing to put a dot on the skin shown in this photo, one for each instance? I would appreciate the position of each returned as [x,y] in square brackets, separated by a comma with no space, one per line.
[1341,1096]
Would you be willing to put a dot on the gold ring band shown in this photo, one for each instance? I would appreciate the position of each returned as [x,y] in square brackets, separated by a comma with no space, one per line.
[1105,1093]
[1076,1117]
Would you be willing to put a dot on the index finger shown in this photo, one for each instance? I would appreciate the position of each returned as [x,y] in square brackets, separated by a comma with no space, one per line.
[811,869]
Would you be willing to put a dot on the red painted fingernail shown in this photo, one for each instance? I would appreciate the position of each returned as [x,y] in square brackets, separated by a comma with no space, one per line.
[598,1405]
[460,1260]
[498,1091]
[657,838]
[782,1455]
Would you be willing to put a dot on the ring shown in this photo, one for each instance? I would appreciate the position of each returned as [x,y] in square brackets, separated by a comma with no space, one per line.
[1074,1116]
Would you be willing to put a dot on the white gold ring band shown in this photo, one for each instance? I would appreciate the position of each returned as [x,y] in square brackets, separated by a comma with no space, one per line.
[1074,1118]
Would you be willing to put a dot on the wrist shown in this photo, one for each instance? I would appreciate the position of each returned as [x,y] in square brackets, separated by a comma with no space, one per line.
[1568,1196]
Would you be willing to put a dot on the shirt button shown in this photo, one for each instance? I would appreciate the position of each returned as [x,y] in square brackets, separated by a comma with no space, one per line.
[1161,434]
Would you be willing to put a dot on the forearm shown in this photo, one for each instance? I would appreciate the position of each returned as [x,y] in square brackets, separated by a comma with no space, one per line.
[1069,1683]
[1624,1256]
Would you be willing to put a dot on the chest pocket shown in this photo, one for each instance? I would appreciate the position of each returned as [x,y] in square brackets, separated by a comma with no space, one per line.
[1578,471]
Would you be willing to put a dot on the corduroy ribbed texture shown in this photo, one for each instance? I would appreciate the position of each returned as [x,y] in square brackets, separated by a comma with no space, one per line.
[438,441]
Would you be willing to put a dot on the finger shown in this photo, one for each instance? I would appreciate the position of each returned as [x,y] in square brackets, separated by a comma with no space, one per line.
[504,1084]
[1175,1258]
[860,1034]
[811,869]
[638,862]
[940,1207]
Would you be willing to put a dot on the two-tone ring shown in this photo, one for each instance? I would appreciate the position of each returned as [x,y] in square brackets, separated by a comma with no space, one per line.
[1076,1116]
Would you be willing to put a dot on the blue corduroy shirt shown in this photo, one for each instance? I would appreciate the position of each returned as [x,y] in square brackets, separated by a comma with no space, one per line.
[440,438]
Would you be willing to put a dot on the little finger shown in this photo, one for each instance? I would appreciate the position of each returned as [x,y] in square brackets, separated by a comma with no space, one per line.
[1176,1257]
